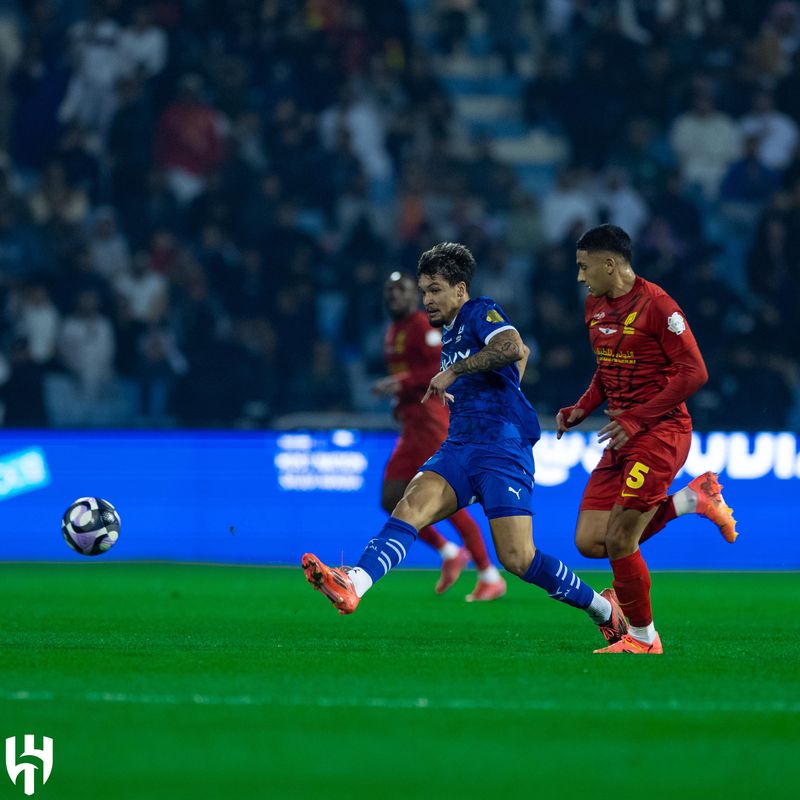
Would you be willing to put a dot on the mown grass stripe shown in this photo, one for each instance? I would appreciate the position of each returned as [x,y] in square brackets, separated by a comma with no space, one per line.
[392,703]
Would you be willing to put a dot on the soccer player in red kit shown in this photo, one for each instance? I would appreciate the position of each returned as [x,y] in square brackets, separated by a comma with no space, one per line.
[648,364]
[412,350]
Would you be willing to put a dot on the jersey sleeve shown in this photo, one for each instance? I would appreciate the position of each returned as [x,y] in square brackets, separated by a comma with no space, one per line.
[488,320]
[594,395]
[588,402]
[687,369]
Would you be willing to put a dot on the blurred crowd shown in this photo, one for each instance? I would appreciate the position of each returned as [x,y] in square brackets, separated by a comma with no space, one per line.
[200,201]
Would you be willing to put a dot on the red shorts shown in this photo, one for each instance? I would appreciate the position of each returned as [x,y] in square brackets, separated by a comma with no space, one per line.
[419,440]
[640,473]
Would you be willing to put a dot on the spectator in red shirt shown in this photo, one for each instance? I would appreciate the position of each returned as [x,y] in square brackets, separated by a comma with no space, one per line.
[190,140]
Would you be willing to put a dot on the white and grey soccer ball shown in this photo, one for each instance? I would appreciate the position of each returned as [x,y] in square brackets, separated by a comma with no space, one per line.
[90,526]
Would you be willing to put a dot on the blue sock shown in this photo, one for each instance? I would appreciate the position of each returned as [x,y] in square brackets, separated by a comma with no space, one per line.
[559,581]
[388,548]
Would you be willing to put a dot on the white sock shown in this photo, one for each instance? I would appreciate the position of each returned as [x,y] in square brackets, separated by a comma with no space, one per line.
[685,502]
[647,634]
[448,550]
[489,575]
[361,580]
[599,610]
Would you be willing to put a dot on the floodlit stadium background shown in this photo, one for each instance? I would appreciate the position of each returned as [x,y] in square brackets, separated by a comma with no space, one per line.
[199,204]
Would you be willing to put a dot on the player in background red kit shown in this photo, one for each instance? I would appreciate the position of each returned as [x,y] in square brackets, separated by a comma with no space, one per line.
[648,364]
[412,350]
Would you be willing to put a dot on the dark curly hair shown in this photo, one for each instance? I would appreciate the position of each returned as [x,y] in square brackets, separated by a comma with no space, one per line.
[451,261]
[607,237]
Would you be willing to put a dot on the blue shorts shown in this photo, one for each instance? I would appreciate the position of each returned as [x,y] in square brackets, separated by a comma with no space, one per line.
[499,476]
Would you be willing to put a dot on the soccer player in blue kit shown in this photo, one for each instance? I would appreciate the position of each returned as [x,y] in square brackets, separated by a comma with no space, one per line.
[487,456]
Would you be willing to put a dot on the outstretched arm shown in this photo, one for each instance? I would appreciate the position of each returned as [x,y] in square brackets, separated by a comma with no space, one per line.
[504,348]
[571,416]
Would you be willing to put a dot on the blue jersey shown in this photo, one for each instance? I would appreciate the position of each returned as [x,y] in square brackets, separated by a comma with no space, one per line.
[488,406]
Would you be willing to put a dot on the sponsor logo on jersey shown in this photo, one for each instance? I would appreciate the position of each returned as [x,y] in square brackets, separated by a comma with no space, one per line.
[607,355]
[676,323]
[493,316]
[607,331]
[450,359]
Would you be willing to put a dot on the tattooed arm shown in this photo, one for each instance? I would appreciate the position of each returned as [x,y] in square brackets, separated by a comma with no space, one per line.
[504,348]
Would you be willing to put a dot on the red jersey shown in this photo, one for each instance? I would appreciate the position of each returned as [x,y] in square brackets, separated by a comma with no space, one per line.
[648,362]
[412,350]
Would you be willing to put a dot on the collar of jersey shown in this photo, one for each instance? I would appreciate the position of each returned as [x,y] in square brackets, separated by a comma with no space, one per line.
[448,328]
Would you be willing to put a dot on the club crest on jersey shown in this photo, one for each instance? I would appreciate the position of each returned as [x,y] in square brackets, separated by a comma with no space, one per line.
[493,316]
[627,326]
[676,323]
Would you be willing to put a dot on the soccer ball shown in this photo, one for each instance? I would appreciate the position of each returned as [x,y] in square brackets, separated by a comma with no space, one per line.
[90,526]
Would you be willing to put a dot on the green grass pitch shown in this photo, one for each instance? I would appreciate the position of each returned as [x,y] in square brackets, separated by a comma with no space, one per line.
[177,681]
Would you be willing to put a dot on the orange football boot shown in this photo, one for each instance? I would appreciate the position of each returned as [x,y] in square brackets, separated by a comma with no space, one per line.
[627,644]
[616,627]
[484,591]
[451,569]
[333,582]
[710,504]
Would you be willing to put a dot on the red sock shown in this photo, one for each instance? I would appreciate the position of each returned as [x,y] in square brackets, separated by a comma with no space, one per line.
[666,513]
[431,536]
[471,534]
[632,585]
